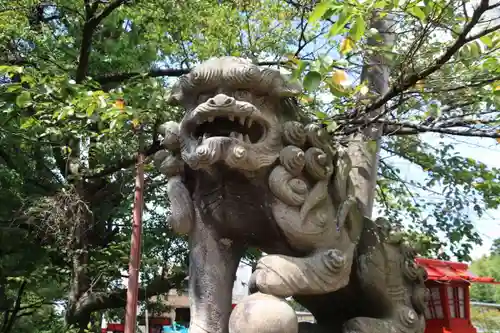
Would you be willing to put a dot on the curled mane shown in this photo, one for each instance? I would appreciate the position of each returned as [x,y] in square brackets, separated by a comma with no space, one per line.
[232,72]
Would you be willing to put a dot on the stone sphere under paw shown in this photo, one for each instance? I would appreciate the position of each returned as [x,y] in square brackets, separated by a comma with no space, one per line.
[261,313]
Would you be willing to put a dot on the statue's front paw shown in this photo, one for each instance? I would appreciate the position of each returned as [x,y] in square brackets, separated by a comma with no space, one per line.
[269,281]
[322,272]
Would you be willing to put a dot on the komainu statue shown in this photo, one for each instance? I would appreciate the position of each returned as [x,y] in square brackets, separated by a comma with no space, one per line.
[245,170]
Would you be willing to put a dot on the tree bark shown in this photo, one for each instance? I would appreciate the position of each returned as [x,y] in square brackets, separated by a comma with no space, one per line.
[97,301]
[364,146]
[9,320]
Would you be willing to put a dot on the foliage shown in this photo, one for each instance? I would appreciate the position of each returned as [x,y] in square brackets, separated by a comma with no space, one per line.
[296,306]
[495,247]
[485,320]
[444,82]
[82,90]
[83,87]
[488,266]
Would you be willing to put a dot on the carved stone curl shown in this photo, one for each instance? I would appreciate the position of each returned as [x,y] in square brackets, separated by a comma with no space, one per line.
[244,172]
[171,165]
[305,213]
[294,133]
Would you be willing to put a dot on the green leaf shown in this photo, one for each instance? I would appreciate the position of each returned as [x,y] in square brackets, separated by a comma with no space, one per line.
[380,4]
[27,79]
[11,69]
[28,122]
[496,90]
[90,109]
[337,90]
[358,29]
[418,12]
[23,99]
[344,17]
[332,126]
[301,66]
[320,115]
[312,81]
[319,11]
[14,87]
[486,41]
[475,49]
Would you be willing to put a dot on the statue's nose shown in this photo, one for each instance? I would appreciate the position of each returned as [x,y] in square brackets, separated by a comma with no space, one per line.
[220,100]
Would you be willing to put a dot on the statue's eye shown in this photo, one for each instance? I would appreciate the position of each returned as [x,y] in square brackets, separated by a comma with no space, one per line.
[202,98]
[242,95]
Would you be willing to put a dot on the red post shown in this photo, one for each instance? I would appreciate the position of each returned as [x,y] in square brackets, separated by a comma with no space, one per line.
[135,249]
[466,301]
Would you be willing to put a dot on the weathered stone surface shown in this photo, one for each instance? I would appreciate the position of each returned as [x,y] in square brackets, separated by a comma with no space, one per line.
[264,314]
[245,172]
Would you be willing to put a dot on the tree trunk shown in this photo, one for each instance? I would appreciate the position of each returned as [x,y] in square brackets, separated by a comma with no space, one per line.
[364,147]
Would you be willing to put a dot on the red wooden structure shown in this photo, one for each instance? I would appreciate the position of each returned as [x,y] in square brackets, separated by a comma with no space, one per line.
[155,326]
[448,310]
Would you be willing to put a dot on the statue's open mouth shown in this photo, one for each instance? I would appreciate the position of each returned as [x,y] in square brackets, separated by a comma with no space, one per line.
[244,128]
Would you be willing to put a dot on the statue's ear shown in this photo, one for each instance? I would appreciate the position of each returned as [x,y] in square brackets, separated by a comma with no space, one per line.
[282,85]
[178,91]
[175,96]
[291,87]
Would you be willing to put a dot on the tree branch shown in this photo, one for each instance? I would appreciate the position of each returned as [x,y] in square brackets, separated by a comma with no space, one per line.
[472,84]
[483,33]
[158,72]
[95,301]
[91,23]
[119,77]
[411,80]
[122,164]
[107,11]
[407,128]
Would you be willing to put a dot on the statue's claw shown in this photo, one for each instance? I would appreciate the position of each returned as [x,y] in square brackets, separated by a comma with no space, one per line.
[322,272]
[404,320]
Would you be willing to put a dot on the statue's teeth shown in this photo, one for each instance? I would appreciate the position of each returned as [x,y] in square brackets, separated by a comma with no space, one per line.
[249,122]
[210,119]
[231,117]
[240,136]
[247,138]
[233,135]
[242,121]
